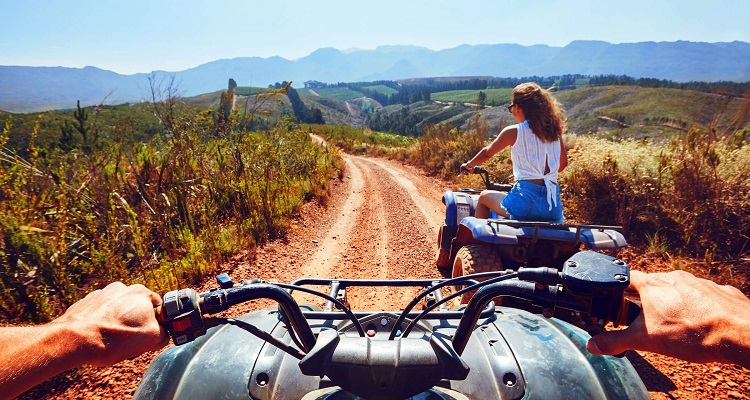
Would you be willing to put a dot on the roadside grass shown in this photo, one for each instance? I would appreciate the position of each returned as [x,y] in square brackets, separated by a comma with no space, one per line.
[164,211]
[364,141]
[688,197]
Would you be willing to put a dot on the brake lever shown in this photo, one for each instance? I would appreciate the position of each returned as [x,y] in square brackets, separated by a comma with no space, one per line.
[629,311]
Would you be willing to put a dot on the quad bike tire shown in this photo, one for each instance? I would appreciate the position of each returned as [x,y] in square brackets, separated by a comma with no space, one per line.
[443,256]
[474,258]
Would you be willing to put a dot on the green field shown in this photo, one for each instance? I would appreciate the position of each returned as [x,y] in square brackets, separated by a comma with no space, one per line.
[494,96]
[342,93]
[382,89]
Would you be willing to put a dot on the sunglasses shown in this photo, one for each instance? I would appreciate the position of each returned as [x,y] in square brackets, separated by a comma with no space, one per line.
[510,107]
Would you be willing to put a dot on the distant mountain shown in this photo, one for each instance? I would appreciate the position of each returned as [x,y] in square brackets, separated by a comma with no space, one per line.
[25,89]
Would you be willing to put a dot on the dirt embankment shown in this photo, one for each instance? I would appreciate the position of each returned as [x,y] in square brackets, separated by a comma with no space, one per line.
[381,222]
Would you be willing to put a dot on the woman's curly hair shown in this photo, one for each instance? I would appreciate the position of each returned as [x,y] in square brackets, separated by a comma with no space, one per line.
[545,114]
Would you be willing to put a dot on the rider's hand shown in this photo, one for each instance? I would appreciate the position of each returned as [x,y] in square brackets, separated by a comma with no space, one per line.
[685,317]
[116,323]
[105,327]
[464,169]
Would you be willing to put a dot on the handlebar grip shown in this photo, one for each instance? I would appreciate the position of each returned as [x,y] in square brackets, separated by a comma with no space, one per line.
[180,313]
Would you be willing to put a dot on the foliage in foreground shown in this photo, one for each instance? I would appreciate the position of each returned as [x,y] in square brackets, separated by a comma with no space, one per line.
[162,213]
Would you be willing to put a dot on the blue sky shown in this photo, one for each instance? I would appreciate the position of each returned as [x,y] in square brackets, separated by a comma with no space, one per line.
[129,36]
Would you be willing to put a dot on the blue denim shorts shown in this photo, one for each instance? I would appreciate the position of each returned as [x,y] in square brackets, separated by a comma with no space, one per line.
[528,202]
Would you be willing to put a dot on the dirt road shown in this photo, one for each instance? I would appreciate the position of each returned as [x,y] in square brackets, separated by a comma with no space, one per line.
[381,222]
[385,230]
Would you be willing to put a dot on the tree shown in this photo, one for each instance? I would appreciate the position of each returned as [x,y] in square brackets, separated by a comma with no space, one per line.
[89,137]
[67,138]
[223,117]
[164,98]
[482,99]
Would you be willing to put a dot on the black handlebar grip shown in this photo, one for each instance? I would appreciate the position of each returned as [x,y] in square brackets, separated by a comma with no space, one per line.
[180,314]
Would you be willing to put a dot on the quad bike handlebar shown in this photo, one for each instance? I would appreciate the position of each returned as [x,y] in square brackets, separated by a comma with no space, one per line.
[590,284]
[488,183]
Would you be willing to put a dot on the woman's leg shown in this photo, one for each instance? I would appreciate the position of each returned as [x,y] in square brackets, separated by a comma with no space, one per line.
[490,200]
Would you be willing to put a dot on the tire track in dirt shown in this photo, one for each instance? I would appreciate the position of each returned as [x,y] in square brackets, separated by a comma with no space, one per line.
[330,249]
[431,209]
[384,230]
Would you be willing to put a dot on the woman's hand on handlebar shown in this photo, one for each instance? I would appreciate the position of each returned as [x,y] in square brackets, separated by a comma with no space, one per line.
[464,168]
[685,317]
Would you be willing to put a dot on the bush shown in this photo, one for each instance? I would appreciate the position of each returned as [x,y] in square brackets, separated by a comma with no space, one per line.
[163,212]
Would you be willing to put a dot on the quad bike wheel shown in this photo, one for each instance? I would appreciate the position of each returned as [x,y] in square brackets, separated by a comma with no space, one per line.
[474,258]
[443,256]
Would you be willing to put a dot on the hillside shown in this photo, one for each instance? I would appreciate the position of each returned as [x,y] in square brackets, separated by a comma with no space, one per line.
[30,89]
[625,111]
[613,111]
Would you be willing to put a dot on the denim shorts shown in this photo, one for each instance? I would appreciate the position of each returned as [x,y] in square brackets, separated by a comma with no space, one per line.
[527,201]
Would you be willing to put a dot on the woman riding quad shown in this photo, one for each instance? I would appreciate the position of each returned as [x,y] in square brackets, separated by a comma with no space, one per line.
[537,153]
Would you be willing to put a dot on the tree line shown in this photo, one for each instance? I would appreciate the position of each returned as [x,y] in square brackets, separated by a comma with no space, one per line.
[303,113]
[422,89]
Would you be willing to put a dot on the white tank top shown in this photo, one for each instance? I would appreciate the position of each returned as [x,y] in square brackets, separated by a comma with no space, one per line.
[530,155]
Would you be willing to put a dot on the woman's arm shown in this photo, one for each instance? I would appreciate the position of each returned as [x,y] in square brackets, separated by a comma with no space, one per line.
[563,156]
[105,327]
[506,138]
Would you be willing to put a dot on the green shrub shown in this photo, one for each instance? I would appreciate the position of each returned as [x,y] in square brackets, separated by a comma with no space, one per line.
[164,212]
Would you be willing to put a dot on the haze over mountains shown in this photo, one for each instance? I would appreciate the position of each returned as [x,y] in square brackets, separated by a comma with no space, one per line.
[26,89]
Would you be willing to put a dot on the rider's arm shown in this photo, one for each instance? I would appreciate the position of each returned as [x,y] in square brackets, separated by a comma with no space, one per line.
[563,156]
[506,138]
[103,328]
[685,317]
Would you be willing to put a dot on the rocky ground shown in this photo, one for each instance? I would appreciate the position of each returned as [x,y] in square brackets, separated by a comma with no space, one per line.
[381,222]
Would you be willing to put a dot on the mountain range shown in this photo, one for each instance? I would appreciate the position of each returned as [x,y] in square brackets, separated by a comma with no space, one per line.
[30,89]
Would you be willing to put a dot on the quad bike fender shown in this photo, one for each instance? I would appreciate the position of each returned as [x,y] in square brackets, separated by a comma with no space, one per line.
[226,360]
[173,374]
[458,205]
[477,230]
[547,349]
[601,239]
[517,355]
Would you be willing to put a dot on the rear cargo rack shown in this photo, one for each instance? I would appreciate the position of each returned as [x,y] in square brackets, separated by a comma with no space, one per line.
[541,224]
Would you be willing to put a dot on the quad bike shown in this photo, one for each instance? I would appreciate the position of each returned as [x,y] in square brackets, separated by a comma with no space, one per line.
[474,351]
[468,245]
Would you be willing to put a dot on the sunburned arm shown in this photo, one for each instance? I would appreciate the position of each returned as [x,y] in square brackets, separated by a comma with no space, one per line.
[684,317]
[563,156]
[506,138]
[105,327]
[33,354]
